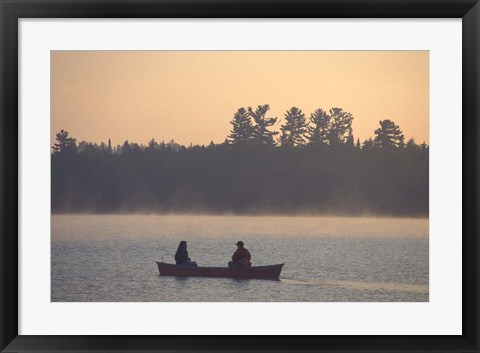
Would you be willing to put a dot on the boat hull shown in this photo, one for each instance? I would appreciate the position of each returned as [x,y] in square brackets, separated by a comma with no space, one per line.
[257,272]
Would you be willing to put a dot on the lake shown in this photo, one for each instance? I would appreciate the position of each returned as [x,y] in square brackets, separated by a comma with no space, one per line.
[111,258]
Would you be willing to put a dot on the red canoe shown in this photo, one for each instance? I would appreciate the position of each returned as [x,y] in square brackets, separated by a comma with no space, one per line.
[259,272]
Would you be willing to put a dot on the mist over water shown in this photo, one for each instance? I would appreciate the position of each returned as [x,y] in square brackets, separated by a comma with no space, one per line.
[111,258]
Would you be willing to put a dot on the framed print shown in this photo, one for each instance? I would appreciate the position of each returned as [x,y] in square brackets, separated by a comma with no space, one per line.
[239,176]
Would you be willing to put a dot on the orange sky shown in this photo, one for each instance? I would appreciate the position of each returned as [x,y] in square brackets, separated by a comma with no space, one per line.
[191,96]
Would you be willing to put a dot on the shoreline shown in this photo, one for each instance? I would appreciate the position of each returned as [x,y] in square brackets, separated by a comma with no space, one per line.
[206,214]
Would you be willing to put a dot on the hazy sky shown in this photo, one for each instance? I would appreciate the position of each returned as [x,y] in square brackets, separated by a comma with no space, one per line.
[191,96]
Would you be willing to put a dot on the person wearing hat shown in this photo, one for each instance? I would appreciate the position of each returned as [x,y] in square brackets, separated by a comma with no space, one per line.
[181,256]
[241,257]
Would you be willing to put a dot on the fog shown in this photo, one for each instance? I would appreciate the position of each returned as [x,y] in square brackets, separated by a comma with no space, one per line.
[219,180]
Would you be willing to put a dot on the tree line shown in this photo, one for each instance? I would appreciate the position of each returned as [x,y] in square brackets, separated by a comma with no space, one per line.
[250,127]
[312,165]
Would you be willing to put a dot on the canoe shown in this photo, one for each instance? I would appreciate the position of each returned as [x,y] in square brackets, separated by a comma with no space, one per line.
[258,272]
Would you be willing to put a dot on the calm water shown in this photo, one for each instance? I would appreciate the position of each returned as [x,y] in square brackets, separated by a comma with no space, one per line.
[112,258]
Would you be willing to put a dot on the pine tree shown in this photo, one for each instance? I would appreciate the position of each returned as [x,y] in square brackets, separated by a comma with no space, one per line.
[152,144]
[411,145]
[389,135]
[424,146]
[103,147]
[321,125]
[242,132]
[341,126]
[349,141]
[368,144]
[294,129]
[261,135]
[64,143]
[126,148]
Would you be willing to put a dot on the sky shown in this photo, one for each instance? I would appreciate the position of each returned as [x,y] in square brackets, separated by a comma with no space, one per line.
[191,96]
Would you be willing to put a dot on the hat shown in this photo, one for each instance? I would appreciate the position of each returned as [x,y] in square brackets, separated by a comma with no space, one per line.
[239,243]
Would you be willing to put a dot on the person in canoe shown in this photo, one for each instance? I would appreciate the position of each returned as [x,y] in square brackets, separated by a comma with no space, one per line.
[181,256]
[241,257]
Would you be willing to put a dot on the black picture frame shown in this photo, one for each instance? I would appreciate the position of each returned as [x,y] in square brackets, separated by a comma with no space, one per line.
[13,10]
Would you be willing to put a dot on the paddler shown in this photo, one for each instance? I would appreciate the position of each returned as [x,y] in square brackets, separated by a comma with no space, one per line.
[241,257]
[181,256]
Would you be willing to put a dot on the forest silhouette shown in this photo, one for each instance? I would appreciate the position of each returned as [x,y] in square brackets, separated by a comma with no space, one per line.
[311,166]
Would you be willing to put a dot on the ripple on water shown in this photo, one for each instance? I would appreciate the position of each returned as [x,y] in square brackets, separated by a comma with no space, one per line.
[112,258]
